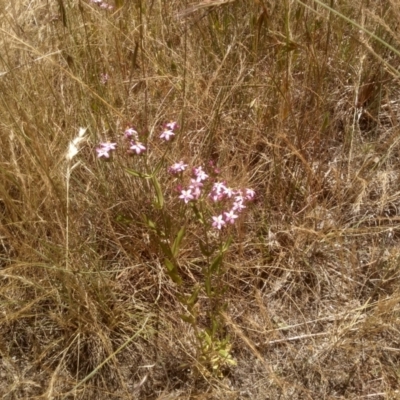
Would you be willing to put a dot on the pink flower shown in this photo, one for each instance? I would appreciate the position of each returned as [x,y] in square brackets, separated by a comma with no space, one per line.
[230,216]
[177,167]
[196,186]
[137,147]
[228,192]
[131,133]
[104,149]
[218,222]
[218,191]
[102,152]
[250,193]
[238,205]
[167,134]
[108,146]
[186,195]
[219,187]
[172,126]
[199,174]
[104,78]
[239,197]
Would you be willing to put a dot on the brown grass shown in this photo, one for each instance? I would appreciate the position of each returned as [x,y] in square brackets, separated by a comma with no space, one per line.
[293,101]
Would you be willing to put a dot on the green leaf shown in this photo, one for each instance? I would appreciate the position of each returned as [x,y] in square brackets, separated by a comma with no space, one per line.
[138,174]
[225,354]
[123,219]
[169,265]
[197,213]
[177,241]
[207,285]
[165,248]
[134,173]
[157,187]
[172,271]
[158,167]
[149,223]
[192,300]
[174,275]
[188,318]
[231,361]
[168,224]
[216,263]
[207,338]
[226,245]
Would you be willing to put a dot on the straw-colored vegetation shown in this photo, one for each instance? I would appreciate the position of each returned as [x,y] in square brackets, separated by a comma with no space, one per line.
[287,97]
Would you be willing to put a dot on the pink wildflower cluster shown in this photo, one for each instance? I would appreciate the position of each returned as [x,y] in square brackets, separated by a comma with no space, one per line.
[202,183]
[232,200]
[193,192]
[102,4]
[132,136]
[221,192]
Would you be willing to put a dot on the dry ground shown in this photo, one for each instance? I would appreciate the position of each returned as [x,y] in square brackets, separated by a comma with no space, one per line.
[287,97]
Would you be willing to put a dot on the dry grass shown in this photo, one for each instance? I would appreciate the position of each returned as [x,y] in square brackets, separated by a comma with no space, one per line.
[291,100]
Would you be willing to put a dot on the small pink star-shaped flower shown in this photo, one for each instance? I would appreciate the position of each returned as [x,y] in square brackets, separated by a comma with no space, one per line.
[167,134]
[102,152]
[137,147]
[218,222]
[104,149]
[250,193]
[238,205]
[177,167]
[219,187]
[199,174]
[130,133]
[230,216]
[228,192]
[196,186]
[172,125]
[108,146]
[186,195]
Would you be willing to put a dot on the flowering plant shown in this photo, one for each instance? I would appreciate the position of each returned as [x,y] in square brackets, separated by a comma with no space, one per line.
[216,207]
